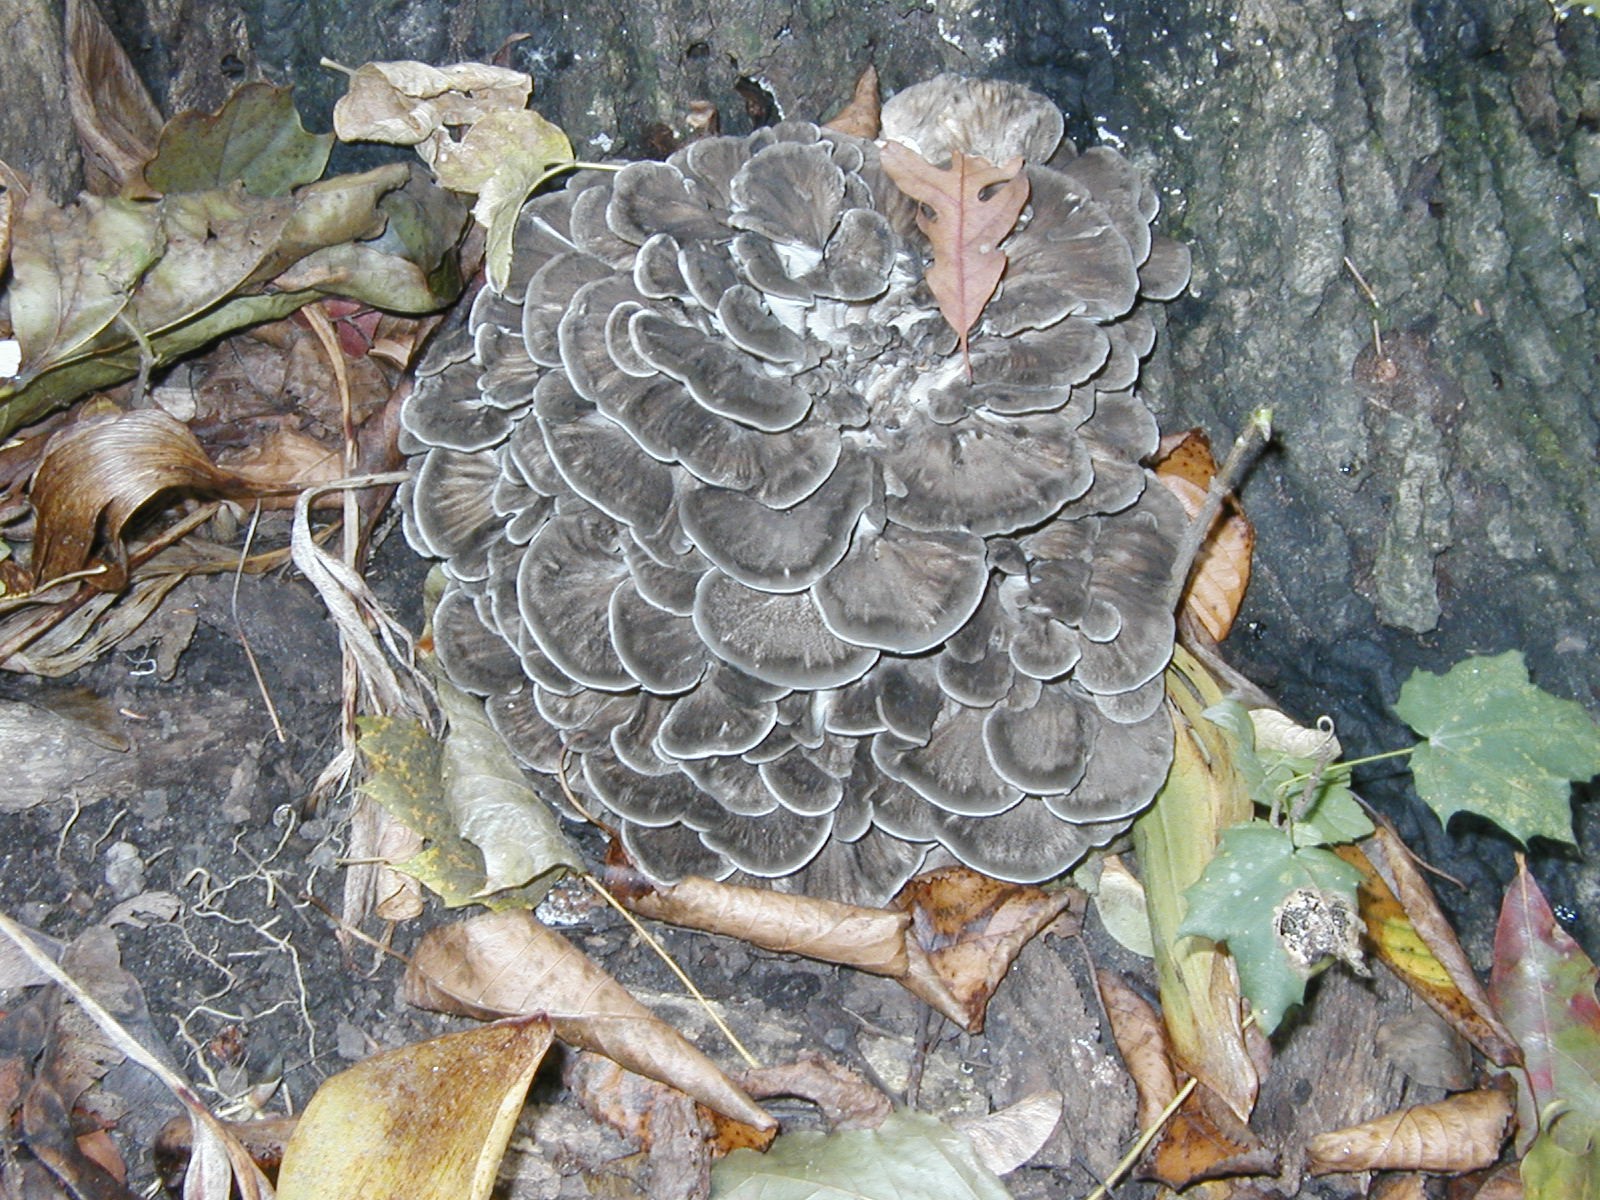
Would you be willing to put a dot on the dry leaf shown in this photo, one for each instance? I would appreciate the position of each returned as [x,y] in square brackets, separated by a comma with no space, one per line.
[286,460]
[1415,940]
[1009,1137]
[970,927]
[94,476]
[1120,900]
[428,1121]
[409,102]
[846,1099]
[861,116]
[1222,567]
[1461,1133]
[116,120]
[1142,1041]
[661,1120]
[13,194]
[507,963]
[867,939]
[970,218]
[263,1139]
[1205,1140]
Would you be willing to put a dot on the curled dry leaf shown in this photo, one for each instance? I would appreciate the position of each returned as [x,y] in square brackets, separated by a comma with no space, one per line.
[264,1140]
[867,939]
[408,102]
[1142,1041]
[1010,1137]
[1461,1133]
[845,1098]
[970,217]
[862,116]
[666,1125]
[507,963]
[1414,939]
[116,120]
[1221,572]
[94,476]
[969,927]
[429,1121]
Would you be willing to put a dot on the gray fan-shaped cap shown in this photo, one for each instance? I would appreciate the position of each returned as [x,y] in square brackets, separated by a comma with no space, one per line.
[452,510]
[734,783]
[1134,705]
[666,585]
[952,770]
[867,870]
[714,718]
[585,712]
[778,550]
[976,684]
[1024,844]
[1069,259]
[474,656]
[659,649]
[545,302]
[509,380]
[1033,371]
[652,197]
[982,475]
[1127,767]
[651,800]
[858,257]
[721,378]
[750,325]
[672,853]
[790,193]
[759,262]
[710,165]
[1165,273]
[800,785]
[1045,746]
[581,338]
[656,272]
[776,637]
[708,271]
[543,231]
[448,410]
[600,462]
[990,118]
[564,586]
[592,233]
[534,741]
[777,843]
[903,591]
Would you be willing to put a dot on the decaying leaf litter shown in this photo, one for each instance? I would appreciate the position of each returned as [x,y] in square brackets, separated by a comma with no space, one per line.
[171,215]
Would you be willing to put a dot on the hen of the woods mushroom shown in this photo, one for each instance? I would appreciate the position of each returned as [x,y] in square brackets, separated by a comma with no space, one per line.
[723,514]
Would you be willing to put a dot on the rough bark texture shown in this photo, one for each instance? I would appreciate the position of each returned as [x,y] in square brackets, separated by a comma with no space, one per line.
[1431,493]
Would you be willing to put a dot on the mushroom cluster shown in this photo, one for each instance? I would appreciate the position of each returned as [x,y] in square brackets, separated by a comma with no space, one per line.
[728,522]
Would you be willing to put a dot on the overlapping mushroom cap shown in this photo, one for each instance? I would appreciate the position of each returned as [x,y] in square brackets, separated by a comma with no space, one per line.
[724,515]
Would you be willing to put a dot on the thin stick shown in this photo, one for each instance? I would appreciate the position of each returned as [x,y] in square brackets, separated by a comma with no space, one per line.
[1255,435]
[238,628]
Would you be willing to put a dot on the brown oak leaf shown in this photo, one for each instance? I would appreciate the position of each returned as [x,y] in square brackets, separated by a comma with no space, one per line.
[966,211]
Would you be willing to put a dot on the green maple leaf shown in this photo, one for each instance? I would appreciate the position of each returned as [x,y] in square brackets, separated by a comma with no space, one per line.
[1498,746]
[1237,901]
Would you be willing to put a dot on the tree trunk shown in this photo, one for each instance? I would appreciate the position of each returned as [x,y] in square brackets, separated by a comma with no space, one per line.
[1390,207]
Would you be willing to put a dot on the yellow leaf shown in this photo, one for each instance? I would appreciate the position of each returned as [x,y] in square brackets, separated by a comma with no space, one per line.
[429,1121]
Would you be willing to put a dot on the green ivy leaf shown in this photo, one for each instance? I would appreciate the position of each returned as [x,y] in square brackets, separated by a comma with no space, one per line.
[255,139]
[1498,746]
[1237,899]
[908,1156]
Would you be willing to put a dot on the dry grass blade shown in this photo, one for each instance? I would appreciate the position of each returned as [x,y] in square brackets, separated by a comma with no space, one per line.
[507,964]
[352,605]
[213,1144]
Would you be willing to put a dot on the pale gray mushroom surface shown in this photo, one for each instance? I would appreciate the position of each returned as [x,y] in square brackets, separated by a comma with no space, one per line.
[724,518]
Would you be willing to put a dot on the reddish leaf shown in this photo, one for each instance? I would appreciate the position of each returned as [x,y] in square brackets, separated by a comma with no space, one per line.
[969,222]
[1543,984]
